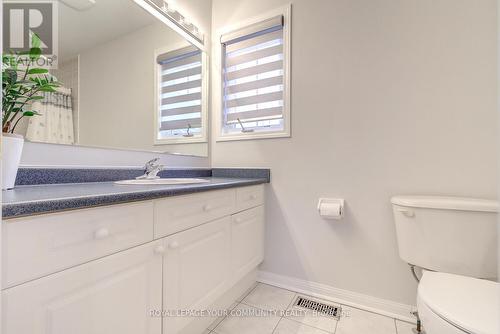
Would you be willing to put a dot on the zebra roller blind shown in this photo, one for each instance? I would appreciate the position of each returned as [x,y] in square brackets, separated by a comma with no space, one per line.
[253,77]
[180,93]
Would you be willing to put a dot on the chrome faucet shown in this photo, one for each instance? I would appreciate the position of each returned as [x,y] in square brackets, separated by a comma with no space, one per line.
[151,170]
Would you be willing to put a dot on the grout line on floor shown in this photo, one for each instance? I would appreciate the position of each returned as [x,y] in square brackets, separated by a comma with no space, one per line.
[343,306]
[295,294]
[286,308]
[218,323]
[258,308]
[309,325]
[360,309]
[276,326]
[247,293]
[234,305]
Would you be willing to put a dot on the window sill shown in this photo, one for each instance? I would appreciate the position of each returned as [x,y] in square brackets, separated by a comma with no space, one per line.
[189,140]
[252,136]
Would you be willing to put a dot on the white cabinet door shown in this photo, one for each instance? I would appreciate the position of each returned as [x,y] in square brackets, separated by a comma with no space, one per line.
[247,241]
[111,295]
[196,270]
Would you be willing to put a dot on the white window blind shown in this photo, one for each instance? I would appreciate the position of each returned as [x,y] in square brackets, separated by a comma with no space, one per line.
[180,93]
[253,77]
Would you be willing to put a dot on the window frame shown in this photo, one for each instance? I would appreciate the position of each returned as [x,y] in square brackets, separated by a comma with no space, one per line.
[203,137]
[218,87]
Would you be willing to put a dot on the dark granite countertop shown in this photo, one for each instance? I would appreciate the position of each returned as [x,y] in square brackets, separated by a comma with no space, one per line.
[26,200]
[38,199]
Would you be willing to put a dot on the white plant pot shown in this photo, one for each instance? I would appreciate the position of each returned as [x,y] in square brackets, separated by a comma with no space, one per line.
[12,148]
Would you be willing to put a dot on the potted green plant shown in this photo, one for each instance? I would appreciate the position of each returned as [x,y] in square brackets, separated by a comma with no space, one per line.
[22,83]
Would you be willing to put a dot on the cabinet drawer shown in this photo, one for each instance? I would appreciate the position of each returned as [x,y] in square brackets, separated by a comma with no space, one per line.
[249,197]
[247,241]
[37,246]
[179,213]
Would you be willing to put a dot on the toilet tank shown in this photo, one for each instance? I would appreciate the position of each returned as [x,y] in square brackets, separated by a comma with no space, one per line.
[448,234]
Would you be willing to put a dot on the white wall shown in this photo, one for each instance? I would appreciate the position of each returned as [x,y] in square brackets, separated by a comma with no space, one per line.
[388,97]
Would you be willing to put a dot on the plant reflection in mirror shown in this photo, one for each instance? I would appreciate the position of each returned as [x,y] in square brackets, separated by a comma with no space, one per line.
[22,83]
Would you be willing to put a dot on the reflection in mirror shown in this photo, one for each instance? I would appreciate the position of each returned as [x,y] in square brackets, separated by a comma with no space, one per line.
[128,82]
[180,85]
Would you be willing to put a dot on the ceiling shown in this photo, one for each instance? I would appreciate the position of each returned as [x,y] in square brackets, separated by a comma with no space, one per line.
[104,21]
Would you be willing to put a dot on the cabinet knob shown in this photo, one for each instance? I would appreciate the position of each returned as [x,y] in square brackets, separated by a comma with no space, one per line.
[207,207]
[253,196]
[173,245]
[159,249]
[101,233]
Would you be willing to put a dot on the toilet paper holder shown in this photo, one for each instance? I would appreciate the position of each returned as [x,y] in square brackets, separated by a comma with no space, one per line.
[324,203]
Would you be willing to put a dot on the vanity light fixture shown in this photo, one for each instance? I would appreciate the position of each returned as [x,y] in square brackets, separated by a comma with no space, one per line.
[168,14]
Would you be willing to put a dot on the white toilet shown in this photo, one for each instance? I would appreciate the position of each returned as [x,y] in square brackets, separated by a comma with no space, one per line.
[455,241]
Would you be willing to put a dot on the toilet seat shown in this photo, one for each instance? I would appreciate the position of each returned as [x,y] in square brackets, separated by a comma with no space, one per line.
[458,304]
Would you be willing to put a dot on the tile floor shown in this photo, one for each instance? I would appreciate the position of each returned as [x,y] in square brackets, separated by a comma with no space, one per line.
[249,316]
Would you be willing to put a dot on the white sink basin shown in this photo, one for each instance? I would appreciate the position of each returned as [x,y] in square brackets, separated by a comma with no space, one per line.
[167,181]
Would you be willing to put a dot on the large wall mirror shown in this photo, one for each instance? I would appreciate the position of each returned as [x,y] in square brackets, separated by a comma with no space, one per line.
[129,81]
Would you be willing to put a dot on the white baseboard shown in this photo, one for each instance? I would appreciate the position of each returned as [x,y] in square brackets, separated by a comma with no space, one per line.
[373,304]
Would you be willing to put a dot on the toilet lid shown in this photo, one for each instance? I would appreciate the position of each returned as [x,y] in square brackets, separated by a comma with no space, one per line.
[468,303]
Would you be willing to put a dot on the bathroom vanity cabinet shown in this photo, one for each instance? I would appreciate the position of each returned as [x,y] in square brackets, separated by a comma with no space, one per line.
[129,268]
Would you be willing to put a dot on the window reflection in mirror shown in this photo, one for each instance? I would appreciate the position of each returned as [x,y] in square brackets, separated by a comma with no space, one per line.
[180,87]
[121,86]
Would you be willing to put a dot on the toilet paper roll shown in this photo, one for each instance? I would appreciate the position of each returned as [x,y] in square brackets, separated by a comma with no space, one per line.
[330,210]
